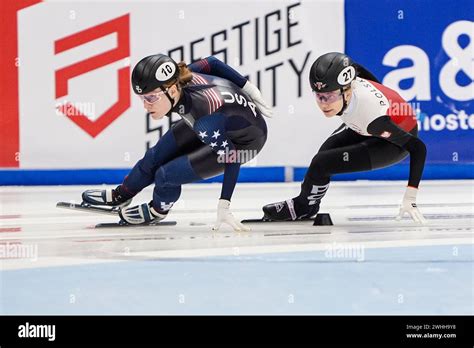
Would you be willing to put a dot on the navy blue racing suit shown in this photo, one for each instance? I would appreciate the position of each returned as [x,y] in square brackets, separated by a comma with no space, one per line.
[221,128]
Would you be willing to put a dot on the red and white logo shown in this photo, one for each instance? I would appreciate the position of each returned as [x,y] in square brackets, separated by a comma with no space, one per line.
[120,26]
[319,85]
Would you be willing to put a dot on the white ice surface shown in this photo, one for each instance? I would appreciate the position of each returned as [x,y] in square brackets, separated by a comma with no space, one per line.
[65,249]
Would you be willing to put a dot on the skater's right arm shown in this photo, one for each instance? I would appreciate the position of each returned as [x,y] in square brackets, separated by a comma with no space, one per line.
[384,128]
[213,66]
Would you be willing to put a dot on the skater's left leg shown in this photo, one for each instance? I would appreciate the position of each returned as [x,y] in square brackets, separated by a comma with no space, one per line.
[198,165]
[202,163]
[369,154]
[306,204]
[314,189]
[179,140]
[372,153]
[358,153]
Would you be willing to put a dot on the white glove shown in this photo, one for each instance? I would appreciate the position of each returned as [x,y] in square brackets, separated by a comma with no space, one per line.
[256,95]
[225,216]
[409,206]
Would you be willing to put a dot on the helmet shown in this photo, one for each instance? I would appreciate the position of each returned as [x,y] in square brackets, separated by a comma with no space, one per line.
[152,72]
[331,71]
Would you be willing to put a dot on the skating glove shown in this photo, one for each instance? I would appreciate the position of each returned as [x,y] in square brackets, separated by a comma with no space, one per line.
[256,95]
[225,216]
[409,206]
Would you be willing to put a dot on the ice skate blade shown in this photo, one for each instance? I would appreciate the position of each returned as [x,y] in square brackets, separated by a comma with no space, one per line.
[122,223]
[89,208]
[263,219]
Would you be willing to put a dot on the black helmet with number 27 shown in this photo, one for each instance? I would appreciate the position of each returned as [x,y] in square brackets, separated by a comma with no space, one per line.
[331,71]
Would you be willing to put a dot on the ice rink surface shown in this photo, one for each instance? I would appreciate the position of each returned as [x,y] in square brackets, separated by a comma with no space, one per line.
[54,261]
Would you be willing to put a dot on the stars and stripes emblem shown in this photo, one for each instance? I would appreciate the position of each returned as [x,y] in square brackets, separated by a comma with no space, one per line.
[213,99]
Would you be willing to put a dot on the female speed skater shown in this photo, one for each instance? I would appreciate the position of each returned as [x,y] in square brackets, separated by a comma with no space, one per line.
[221,115]
[379,129]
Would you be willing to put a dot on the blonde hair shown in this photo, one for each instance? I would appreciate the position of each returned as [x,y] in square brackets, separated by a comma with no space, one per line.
[184,77]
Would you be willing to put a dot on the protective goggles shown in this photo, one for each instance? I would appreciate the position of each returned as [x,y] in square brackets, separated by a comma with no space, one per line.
[328,97]
[152,98]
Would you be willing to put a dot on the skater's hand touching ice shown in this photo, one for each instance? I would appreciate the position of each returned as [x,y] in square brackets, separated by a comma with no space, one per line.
[409,206]
[224,215]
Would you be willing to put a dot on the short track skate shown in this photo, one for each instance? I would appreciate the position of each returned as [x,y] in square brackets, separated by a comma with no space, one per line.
[321,219]
[108,211]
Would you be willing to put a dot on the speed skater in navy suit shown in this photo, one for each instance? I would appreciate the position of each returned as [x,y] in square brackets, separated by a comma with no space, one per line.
[222,126]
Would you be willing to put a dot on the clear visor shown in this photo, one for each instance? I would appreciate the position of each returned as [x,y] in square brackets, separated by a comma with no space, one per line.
[152,98]
[328,97]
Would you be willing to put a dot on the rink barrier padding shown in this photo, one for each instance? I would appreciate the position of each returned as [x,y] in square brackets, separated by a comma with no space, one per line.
[115,176]
[257,174]
[400,172]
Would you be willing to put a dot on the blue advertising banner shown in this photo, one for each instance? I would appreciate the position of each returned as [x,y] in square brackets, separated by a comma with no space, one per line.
[424,50]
